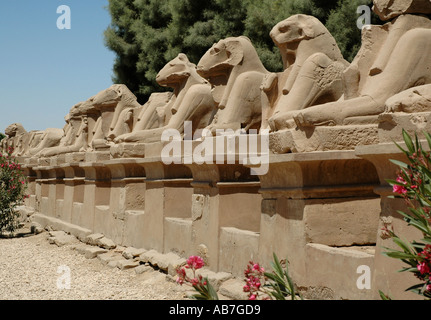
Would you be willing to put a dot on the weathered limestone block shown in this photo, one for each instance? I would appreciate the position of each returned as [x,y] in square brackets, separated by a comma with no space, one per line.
[232,289]
[340,271]
[342,222]
[107,257]
[346,137]
[124,264]
[392,124]
[237,248]
[416,99]
[106,243]
[131,253]
[92,238]
[61,238]
[90,252]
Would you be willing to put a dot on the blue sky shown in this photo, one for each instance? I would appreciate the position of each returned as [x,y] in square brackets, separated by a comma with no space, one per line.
[44,71]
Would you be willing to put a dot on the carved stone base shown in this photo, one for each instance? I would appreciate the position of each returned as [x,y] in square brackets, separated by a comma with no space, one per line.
[97,156]
[128,150]
[345,137]
[392,124]
[75,157]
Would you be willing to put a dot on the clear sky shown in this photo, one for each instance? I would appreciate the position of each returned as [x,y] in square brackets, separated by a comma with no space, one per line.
[44,70]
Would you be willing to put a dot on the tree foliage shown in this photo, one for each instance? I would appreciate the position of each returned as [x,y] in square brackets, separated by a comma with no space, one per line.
[146,34]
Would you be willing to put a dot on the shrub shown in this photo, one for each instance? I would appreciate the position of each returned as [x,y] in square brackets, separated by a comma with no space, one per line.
[413,184]
[204,289]
[12,191]
[269,285]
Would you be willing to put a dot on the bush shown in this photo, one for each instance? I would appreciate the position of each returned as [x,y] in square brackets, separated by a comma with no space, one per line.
[263,285]
[202,286]
[12,191]
[413,184]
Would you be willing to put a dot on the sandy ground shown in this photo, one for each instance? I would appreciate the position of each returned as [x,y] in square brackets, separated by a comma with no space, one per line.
[33,269]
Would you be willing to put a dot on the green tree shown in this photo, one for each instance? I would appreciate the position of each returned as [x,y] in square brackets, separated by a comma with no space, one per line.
[2,136]
[121,38]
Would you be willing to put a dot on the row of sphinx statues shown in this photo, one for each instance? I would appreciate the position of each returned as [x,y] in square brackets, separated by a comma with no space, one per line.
[231,89]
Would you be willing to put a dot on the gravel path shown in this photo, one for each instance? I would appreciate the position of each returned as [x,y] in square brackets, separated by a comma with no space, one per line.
[31,269]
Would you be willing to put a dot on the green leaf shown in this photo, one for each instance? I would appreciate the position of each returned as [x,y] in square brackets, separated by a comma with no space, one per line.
[403,245]
[408,141]
[211,290]
[399,163]
[428,137]
[398,255]
[384,296]
[417,288]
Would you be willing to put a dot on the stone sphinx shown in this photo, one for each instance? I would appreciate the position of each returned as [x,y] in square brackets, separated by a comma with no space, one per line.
[393,58]
[14,133]
[36,141]
[153,114]
[313,67]
[191,101]
[27,143]
[115,104]
[236,73]
[75,137]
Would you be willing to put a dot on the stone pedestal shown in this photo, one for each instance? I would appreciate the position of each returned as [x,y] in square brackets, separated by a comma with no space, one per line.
[323,198]
[345,137]
[385,274]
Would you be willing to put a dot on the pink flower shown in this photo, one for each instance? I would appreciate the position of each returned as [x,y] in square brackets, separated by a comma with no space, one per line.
[181,275]
[252,297]
[429,287]
[401,180]
[399,189]
[258,268]
[195,262]
[423,268]
[195,281]
[180,280]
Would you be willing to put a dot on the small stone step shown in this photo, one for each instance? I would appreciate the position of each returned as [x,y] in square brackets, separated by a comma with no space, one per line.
[123,264]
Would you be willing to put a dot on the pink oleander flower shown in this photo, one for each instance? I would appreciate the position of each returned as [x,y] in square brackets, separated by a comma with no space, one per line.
[399,189]
[252,297]
[181,276]
[258,268]
[195,262]
[423,268]
[180,281]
